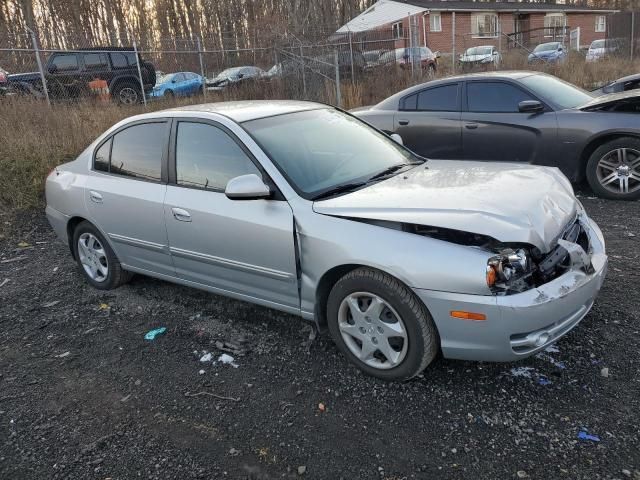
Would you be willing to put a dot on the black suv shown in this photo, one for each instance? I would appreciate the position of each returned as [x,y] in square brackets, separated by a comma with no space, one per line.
[68,74]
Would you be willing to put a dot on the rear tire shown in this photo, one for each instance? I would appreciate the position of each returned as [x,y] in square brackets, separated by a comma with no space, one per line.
[369,313]
[127,93]
[96,260]
[613,170]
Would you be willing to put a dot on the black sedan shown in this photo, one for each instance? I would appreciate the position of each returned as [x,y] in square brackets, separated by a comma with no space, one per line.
[521,117]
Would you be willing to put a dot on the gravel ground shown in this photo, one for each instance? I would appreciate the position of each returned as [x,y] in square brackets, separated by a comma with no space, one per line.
[83,395]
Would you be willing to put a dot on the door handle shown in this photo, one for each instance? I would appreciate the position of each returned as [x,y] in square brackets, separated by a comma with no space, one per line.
[95,197]
[181,215]
[471,126]
[403,122]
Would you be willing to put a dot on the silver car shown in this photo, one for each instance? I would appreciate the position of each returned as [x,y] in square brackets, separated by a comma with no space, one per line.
[303,208]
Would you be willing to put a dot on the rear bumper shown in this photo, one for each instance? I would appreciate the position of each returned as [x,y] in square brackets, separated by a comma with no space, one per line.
[519,325]
[58,222]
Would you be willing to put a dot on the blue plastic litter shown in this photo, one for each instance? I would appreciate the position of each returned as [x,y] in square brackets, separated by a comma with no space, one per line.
[584,435]
[544,381]
[152,334]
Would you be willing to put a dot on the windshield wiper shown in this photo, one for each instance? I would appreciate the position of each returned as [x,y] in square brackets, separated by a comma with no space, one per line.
[347,187]
[392,169]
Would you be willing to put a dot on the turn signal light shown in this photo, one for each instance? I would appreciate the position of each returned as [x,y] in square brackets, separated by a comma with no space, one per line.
[492,275]
[467,315]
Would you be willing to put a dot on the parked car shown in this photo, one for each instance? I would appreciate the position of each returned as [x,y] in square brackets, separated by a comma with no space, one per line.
[398,257]
[602,48]
[372,57]
[480,56]
[524,117]
[624,84]
[234,77]
[404,57]
[3,82]
[68,74]
[180,84]
[551,52]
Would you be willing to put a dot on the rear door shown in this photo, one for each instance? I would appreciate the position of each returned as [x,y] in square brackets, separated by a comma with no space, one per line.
[495,129]
[125,196]
[240,247]
[429,121]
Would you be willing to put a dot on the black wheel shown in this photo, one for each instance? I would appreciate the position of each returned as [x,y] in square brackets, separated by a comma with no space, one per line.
[169,94]
[96,260]
[127,93]
[380,325]
[613,170]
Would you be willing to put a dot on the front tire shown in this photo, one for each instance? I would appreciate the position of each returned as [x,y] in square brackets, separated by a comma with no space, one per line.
[613,170]
[380,325]
[97,261]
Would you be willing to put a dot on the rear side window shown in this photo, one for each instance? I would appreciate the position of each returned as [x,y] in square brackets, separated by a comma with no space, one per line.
[94,60]
[436,99]
[137,151]
[207,157]
[123,59]
[65,62]
[495,97]
[101,160]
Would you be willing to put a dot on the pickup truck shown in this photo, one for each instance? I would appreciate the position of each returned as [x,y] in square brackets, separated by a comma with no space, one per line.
[68,74]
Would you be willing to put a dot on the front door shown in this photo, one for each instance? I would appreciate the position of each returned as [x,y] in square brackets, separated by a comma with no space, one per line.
[495,130]
[125,197]
[241,247]
[429,122]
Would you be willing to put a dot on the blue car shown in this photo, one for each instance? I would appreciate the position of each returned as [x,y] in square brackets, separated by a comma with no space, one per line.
[180,84]
[551,52]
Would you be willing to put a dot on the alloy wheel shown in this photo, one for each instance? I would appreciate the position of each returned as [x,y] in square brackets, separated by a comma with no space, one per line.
[372,330]
[618,171]
[128,96]
[93,257]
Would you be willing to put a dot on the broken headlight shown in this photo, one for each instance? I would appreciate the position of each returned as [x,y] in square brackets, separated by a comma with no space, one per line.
[510,270]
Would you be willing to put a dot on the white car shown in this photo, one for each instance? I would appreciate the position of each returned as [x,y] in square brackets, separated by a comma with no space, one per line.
[483,55]
[600,49]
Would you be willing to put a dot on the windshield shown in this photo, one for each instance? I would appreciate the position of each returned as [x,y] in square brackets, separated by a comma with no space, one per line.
[556,91]
[597,44]
[321,150]
[547,47]
[479,51]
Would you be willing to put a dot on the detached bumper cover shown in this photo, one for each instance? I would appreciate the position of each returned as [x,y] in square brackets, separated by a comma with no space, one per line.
[519,325]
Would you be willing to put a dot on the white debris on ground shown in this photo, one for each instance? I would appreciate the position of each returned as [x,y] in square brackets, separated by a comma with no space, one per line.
[526,372]
[552,349]
[225,358]
[207,357]
[228,360]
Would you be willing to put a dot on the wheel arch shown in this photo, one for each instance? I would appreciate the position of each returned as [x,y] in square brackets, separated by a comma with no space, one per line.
[594,144]
[73,223]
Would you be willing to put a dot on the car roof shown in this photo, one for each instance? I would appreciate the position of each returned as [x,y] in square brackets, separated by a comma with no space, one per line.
[243,111]
[635,76]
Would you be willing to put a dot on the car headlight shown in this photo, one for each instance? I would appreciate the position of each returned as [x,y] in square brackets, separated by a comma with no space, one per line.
[507,269]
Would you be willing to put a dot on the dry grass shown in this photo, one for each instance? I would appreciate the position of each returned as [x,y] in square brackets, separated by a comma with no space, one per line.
[34,138]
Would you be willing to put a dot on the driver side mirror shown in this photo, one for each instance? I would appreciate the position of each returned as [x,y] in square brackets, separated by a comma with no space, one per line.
[247,187]
[397,138]
[530,106]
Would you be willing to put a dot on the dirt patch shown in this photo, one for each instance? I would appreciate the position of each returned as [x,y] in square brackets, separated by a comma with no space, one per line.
[83,395]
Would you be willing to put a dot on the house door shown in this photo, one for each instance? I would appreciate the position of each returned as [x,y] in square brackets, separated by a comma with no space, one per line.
[522,28]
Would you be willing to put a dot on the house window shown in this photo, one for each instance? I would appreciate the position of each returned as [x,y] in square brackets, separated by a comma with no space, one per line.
[396,30]
[435,22]
[554,24]
[484,25]
[601,23]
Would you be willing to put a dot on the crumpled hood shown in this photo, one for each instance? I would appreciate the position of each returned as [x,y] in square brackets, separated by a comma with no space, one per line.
[475,58]
[510,202]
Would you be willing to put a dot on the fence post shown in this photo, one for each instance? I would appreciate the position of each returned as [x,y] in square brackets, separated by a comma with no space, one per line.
[43,78]
[633,33]
[453,42]
[304,75]
[204,79]
[411,54]
[337,65]
[135,49]
[353,70]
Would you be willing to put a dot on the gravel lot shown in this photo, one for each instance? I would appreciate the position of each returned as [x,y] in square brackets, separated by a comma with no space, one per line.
[83,395]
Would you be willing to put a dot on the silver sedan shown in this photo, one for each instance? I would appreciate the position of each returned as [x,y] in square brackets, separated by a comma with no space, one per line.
[303,208]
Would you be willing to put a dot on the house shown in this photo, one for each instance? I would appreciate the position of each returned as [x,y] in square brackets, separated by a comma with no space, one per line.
[451,26]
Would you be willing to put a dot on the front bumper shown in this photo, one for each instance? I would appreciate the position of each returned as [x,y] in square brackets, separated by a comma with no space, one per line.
[522,324]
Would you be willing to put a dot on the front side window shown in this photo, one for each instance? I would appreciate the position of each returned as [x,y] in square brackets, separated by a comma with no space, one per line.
[137,151]
[436,99]
[554,24]
[435,22]
[207,157]
[556,91]
[397,30]
[298,145]
[65,62]
[601,23]
[495,97]
[484,25]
